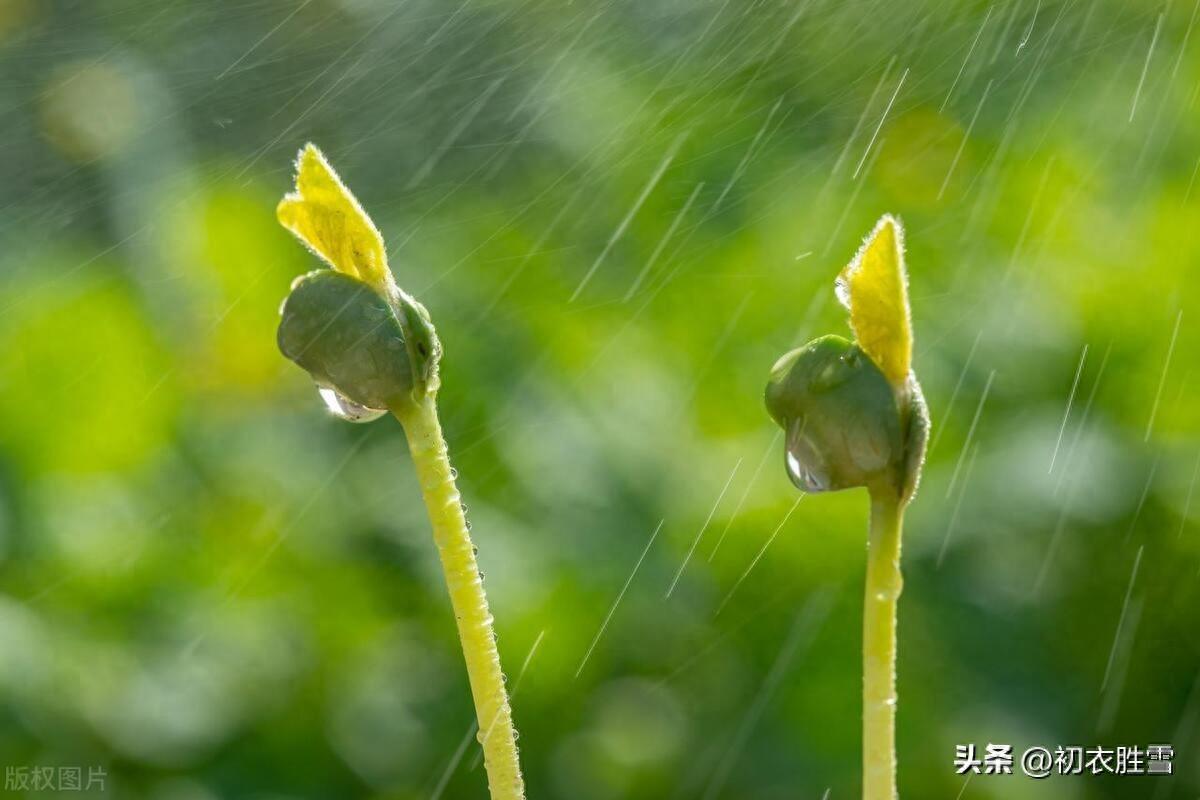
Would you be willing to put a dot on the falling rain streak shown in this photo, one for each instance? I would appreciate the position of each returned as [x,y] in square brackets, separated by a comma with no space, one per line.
[987,387]
[958,505]
[737,509]
[879,127]
[620,231]
[1067,413]
[616,215]
[758,556]
[1137,562]
[966,138]
[700,534]
[966,60]
[1082,427]
[962,374]
[1146,66]
[662,243]
[741,167]
[804,629]
[862,120]
[613,608]
[1162,381]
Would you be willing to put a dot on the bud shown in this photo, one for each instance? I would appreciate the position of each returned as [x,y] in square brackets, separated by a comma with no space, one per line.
[853,412]
[840,415]
[344,334]
[352,328]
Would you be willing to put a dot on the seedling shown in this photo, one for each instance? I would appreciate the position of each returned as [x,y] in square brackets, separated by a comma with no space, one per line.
[853,415]
[372,349]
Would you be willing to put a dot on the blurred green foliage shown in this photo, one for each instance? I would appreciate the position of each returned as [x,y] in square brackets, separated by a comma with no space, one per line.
[212,589]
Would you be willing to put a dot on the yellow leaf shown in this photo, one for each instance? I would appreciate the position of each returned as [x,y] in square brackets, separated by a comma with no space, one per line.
[323,214]
[874,287]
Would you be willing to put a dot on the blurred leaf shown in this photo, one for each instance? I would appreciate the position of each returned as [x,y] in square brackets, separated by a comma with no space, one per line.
[85,385]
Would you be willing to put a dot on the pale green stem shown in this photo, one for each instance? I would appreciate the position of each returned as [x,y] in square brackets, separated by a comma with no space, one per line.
[453,539]
[879,646]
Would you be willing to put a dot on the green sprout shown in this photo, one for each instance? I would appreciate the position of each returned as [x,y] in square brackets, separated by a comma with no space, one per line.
[372,349]
[853,415]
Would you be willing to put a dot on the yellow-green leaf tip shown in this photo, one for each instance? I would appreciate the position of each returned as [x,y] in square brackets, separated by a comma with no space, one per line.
[874,287]
[326,217]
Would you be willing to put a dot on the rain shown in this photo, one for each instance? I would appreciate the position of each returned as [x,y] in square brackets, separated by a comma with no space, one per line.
[619,215]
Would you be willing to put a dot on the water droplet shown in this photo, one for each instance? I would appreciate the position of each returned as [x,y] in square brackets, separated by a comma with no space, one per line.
[802,477]
[841,287]
[347,409]
[802,458]
[889,593]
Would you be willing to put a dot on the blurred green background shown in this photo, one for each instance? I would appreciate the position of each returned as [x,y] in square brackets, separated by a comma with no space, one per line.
[619,215]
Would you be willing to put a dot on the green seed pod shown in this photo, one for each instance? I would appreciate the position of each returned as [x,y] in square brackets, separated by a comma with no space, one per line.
[843,425]
[346,335]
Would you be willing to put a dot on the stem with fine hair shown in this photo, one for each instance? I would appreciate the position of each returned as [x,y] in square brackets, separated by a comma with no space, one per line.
[855,417]
[453,539]
[883,586]
[372,348]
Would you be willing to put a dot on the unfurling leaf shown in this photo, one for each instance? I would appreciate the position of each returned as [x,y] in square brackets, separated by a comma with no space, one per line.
[874,287]
[323,214]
